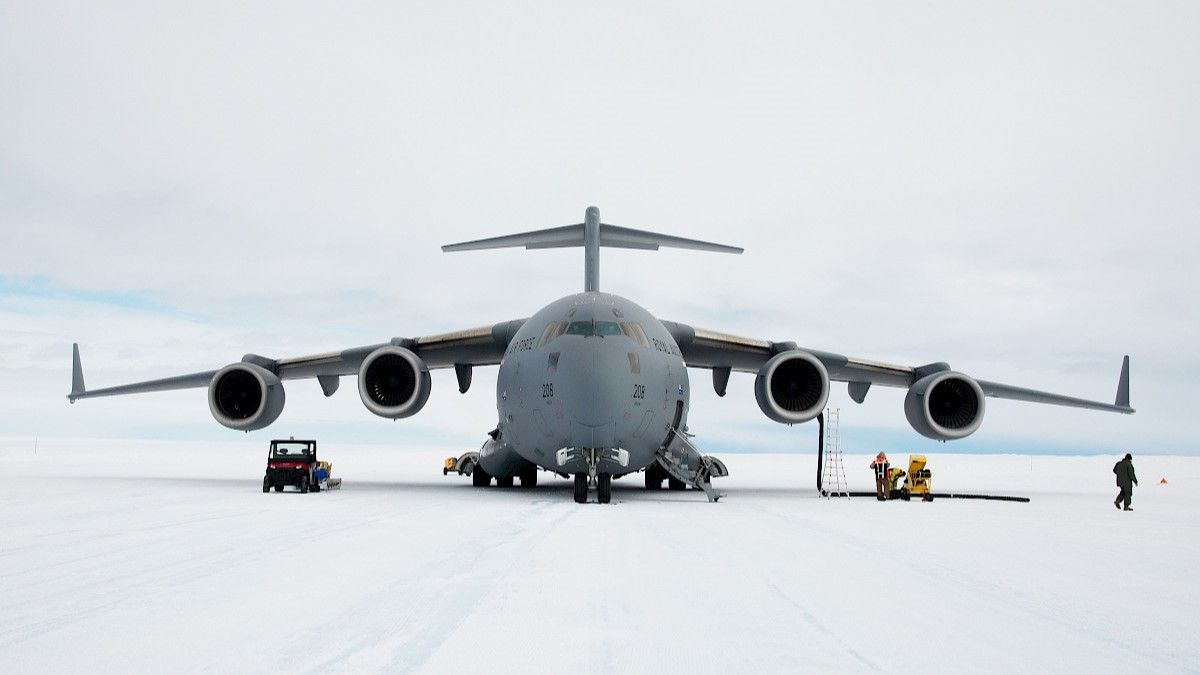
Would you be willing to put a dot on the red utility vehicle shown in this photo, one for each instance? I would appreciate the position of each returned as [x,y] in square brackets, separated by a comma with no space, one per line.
[292,462]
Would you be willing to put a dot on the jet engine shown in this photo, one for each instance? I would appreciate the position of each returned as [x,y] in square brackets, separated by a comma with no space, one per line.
[944,406]
[393,382]
[245,396]
[792,387]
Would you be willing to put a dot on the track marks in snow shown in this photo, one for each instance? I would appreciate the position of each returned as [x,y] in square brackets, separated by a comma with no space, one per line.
[410,616]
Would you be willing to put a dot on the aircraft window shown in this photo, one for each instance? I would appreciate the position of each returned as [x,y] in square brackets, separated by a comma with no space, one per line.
[579,328]
[608,328]
[635,363]
[635,331]
[617,313]
[553,330]
[552,362]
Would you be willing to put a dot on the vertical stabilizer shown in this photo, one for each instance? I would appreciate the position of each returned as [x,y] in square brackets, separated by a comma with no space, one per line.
[591,250]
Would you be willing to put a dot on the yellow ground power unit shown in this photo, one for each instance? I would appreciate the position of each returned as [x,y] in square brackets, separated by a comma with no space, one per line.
[919,480]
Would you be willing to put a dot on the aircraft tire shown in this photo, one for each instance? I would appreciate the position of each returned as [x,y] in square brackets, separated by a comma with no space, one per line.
[480,478]
[581,488]
[505,482]
[604,488]
[654,479]
[529,477]
[676,484]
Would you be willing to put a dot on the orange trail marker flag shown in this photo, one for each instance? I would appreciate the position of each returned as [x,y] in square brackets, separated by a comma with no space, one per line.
[1162,482]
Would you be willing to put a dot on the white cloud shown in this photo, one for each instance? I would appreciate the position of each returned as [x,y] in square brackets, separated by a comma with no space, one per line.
[1008,188]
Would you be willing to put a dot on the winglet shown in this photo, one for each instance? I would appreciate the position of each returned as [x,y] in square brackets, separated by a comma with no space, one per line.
[1123,385]
[77,388]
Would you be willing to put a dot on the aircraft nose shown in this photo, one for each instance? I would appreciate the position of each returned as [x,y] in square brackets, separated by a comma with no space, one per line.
[600,371]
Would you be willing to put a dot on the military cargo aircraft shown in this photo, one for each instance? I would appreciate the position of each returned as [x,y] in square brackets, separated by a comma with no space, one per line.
[594,386]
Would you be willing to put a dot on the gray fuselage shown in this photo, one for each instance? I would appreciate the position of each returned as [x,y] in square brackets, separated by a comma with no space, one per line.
[589,371]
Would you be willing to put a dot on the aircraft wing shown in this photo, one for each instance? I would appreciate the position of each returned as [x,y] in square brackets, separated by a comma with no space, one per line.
[483,346]
[724,353]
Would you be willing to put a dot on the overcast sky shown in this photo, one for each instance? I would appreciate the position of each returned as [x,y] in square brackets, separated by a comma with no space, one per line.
[1009,187]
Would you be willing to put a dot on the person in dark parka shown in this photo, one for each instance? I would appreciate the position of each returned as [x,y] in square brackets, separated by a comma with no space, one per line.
[1126,479]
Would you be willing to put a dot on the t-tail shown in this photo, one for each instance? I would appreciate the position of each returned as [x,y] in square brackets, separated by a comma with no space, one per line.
[591,234]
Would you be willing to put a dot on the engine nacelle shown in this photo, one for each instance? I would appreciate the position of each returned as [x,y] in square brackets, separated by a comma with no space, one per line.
[792,387]
[944,406]
[245,396]
[393,382]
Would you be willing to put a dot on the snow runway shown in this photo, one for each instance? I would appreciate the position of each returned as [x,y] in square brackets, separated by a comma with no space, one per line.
[153,557]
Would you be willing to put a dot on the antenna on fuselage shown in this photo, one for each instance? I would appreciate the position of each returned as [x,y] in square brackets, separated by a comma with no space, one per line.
[591,234]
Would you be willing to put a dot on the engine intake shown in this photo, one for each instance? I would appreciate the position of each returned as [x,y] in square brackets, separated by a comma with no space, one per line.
[245,396]
[944,406]
[792,387]
[393,382]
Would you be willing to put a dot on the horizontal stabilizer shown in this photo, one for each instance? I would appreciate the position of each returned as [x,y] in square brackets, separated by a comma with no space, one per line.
[590,235]
[555,237]
[570,236]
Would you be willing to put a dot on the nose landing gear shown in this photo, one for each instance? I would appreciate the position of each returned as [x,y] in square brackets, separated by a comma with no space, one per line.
[602,481]
[603,485]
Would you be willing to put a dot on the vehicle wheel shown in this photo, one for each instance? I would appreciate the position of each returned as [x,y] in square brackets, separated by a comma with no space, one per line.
[904,494]
[654,478]
[278,487]
[480,478]
[675,484]
[604,488]
[266,485]
[304,485]
[581,488]
[529,477]
[504,482]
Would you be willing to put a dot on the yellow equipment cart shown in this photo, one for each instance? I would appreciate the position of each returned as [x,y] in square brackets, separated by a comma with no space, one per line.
[919,480]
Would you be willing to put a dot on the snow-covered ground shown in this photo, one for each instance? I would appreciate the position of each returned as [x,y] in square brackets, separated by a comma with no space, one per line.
[166,557]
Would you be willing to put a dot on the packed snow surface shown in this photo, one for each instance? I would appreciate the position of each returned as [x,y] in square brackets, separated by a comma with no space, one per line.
[167,557]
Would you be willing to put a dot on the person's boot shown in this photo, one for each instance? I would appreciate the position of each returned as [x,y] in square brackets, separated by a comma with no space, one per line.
[1128,508]
[1117,504]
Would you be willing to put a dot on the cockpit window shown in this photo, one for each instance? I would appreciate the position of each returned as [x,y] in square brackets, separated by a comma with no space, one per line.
[553,330]
[601,328]
[608,328]
[579,328]
[635,331]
